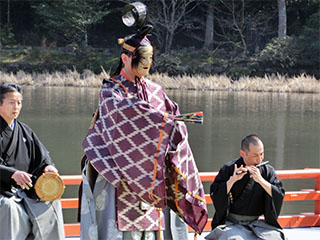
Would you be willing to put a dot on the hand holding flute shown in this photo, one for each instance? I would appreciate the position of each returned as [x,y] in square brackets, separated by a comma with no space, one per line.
[258,165]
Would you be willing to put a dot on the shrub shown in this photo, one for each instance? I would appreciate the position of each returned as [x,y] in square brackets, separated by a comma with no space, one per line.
[6,35]
[170,64]
[279,54]
[309,42]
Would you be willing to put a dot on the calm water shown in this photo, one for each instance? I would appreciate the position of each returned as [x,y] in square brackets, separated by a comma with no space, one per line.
[289,125]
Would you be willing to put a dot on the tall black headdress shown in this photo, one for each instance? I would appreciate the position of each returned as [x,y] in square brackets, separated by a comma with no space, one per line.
[134,15]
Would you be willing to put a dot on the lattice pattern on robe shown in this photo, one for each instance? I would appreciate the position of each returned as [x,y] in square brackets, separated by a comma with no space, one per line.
[123,144]
[134,214]
[184,188]
[130,141]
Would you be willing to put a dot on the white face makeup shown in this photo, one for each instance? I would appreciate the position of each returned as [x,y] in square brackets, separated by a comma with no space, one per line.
[145,62]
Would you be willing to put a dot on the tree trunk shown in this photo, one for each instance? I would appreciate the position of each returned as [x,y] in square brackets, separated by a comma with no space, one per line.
[282,13]
[8,13]
[169,39]
[86,38]
[208,40]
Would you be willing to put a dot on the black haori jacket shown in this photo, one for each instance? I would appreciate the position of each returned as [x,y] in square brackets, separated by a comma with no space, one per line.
[20,149]
[247,197]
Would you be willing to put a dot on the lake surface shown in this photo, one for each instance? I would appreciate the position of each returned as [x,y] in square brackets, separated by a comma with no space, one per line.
[288,124]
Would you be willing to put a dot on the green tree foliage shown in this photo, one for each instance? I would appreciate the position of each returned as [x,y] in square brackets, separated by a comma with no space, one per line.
[71,18]
[298,12]
[168,64]
[279,54]
[6,35]
[309,42]
[244,35]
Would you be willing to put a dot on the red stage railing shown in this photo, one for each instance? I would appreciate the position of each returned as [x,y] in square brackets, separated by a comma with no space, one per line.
[299,220]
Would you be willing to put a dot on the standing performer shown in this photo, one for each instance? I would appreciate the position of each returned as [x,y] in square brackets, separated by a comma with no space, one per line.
[23,157]
[243,190]
[138,156]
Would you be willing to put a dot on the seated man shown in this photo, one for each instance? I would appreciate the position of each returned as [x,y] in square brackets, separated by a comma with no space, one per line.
[243,191]
[22,158]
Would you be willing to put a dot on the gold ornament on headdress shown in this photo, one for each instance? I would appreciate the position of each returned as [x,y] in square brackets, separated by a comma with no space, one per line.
[125,46]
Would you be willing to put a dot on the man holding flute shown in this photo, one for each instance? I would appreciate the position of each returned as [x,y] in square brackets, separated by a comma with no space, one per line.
[243,190]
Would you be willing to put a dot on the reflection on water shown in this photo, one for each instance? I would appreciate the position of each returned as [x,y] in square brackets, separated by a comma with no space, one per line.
[288,123]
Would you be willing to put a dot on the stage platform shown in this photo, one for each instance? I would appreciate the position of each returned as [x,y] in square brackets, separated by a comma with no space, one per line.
[307,233]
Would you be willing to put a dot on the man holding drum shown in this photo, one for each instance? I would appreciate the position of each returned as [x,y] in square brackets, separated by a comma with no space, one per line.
[23,158]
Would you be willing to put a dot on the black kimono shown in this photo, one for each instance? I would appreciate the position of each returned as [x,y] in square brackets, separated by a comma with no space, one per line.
[247,197]
[20,150]
[22,214]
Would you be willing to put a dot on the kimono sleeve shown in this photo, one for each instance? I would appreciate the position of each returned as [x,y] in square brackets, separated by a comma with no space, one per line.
[39,154]
[129,141]
[184,187]
[273,204]
[219,196]
[6,173]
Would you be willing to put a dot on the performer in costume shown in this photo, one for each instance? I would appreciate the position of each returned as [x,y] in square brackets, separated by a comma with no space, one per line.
[23,157]
[138,157]
[243,191]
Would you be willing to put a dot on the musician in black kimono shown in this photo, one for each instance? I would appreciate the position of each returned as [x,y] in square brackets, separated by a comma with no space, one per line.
[22,158]
[244,191]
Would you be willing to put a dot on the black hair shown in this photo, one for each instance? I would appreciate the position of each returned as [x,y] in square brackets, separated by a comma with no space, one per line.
[9,87]
[250,139]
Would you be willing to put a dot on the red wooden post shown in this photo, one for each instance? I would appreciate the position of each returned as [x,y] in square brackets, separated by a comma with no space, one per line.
[317,202]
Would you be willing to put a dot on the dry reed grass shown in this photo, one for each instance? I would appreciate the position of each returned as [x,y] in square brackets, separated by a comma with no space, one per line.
[274,83]
[69,78]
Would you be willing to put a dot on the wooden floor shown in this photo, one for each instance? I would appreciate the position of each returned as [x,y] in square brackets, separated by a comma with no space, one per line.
[304,233]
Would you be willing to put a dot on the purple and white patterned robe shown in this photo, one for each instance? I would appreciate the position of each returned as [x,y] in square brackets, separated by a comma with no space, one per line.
[139,148]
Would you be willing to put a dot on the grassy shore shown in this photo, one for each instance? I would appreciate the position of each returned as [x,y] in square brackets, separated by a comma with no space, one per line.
[274,83]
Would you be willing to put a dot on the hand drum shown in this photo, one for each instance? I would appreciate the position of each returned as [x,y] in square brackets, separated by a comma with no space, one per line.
[49,187]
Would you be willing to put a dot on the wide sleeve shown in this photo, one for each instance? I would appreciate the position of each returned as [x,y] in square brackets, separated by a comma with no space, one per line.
[41,152]
[40,157]
[6,173]
[185,191]
[219,196]
[129,140]
[273,204]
